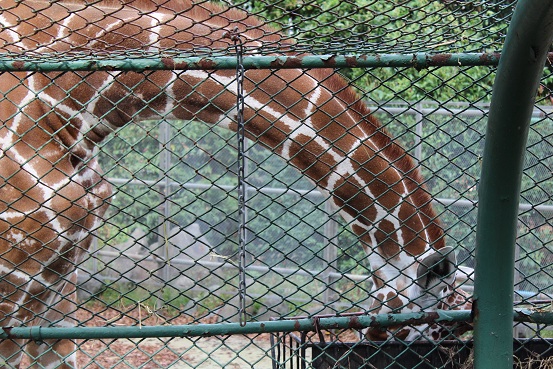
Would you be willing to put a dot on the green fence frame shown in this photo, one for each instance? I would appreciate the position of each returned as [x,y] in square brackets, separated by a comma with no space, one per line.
[520,67]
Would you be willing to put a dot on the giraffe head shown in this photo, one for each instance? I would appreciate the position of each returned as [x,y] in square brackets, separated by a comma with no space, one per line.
[433,287]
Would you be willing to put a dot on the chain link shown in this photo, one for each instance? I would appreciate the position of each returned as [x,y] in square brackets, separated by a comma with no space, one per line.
[240,135]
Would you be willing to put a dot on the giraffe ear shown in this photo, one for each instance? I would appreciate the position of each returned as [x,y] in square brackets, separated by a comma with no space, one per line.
[436,269]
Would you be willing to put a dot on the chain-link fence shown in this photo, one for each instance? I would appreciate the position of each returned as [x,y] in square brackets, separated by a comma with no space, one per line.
[119,92]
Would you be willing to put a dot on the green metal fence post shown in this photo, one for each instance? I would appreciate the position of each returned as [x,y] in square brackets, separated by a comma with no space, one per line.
[520,68]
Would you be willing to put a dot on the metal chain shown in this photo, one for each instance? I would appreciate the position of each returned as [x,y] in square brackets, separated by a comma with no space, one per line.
[240,135]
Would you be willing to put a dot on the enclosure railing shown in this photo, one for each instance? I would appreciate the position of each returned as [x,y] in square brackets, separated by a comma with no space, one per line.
[519,70]
[524,54]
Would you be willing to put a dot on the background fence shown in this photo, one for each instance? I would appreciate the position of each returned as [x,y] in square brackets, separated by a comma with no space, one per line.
[168,253]
[202,237]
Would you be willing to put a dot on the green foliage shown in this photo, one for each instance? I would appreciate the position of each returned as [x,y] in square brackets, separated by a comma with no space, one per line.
[129,296]
[369,26]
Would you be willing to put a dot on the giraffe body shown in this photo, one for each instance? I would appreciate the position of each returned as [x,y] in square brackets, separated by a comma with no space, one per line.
[53,195]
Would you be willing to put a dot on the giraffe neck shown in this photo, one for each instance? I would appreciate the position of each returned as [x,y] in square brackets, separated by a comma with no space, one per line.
[329,137]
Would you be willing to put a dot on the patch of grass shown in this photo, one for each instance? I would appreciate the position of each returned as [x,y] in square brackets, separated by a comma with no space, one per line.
[546,333]
[209,303]
[169,301]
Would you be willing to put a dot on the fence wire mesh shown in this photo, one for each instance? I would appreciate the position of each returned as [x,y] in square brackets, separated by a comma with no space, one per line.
[165,252]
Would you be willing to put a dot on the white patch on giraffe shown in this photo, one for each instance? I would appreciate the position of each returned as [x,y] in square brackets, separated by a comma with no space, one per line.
[169,107]
[156,20]
[45,354]
[9,139]
[306,127]
[312,99]
[299,129]
[343,169]
[16,358]
[393,218]
[13,216]
[387,268]
[85,175]
[225,121]
[19,274]
[65,25]
[73,357]
[17,237]
[202,75]
[92,119]
[9,29]
[359,144]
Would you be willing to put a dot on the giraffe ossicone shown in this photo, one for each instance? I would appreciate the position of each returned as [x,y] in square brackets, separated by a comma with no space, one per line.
[53,194]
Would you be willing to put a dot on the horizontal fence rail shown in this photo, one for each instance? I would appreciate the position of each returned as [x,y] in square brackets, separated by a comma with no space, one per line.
[156,62]
[207,330]
[312,324]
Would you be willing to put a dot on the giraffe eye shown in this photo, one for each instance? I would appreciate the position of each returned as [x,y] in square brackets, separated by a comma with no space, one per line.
[436,269]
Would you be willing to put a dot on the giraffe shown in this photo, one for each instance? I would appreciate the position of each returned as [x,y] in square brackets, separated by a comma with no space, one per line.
[53,195]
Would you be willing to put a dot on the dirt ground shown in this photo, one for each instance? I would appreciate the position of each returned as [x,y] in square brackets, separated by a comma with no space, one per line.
[233,352]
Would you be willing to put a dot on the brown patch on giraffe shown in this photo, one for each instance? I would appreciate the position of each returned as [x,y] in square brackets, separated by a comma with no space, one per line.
[435,331]
[118,105]
[366,242]
[377,334]
[383,182]
[401,334]
[455,299]
[414,241]
[306,152]
[393,301]
[379,280]
[10,284]
[417,222]
[290,89]
[378,300]
[387,241]
[401,284]
[349,196]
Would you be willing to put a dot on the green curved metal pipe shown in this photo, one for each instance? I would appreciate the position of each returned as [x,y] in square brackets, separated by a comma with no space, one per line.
[520,68]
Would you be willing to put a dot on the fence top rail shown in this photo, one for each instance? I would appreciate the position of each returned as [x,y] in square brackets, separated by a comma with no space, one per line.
[50,62]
